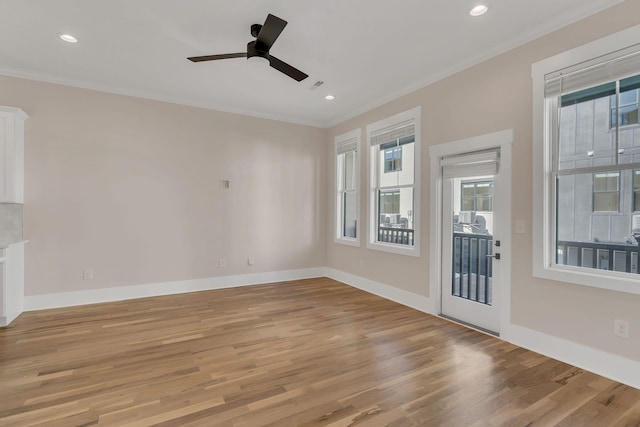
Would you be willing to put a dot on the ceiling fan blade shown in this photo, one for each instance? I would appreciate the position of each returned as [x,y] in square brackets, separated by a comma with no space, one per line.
[270,31]
[290,71]
[214,57]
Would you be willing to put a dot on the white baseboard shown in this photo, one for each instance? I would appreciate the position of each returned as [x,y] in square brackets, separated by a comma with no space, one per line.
[400,296]
[608,365]
[93,296]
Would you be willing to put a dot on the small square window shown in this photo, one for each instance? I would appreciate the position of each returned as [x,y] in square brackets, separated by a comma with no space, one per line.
[477,196]
[606,192]
[628,109]
[393,159]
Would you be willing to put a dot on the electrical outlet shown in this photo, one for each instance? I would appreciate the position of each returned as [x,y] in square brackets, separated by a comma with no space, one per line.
[621,328]
[251,261]
[87,274]
[222,263]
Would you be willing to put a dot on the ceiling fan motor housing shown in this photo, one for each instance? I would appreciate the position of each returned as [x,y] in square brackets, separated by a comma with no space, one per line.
[253,51]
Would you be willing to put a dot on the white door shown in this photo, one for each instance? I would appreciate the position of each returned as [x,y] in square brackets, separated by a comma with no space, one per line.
[471,239]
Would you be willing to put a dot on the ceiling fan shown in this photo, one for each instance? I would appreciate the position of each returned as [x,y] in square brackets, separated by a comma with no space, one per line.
[258,49]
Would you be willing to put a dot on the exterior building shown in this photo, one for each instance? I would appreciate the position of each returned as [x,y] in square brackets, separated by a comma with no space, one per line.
[595,204]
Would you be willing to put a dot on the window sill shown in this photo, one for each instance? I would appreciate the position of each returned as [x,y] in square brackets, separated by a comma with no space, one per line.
[347,241]
[611,281]
[395,249]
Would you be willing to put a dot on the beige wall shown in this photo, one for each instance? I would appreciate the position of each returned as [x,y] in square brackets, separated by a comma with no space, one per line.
[130,188]
[489,97]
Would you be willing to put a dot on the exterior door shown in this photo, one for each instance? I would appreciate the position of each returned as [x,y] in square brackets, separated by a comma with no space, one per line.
[470,239]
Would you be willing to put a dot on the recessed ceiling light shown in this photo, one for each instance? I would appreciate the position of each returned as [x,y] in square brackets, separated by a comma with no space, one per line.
[68,38]
[329,97]
[478,10]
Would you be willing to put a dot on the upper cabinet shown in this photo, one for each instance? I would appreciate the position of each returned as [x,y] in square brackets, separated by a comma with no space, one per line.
[12,154]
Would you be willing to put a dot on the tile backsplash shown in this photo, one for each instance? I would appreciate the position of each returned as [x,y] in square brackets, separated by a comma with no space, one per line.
[10,223]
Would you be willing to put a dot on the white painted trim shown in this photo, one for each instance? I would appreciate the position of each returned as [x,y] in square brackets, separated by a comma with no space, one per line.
[602,363]
[543,229]
[357,135]
[93,296]
[414,114]
[464,63]
[503,140]
[608,365]
[409,299]
[40,77]
[525,36]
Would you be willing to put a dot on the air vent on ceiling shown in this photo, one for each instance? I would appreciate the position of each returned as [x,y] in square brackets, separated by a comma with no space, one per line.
[316,85]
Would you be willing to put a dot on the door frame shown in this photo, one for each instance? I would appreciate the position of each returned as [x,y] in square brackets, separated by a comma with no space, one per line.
[504,141]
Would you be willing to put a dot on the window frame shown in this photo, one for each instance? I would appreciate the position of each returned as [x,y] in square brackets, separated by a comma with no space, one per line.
[414,114]
[356,135]
[635,190]
[544,188]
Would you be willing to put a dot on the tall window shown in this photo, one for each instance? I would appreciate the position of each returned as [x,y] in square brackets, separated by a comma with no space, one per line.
[347,188]
[393,170]
[476,196]
[590,156]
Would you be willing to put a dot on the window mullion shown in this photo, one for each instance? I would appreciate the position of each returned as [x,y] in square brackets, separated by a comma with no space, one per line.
[617,133]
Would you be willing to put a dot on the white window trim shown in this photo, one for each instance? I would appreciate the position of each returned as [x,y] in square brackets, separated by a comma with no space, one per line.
[543,229]
[414,114]
[337,233]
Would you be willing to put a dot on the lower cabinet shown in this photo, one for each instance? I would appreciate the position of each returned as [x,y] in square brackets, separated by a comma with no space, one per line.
[11,283]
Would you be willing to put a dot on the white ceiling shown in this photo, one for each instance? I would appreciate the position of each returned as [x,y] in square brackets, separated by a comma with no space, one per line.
[366,51]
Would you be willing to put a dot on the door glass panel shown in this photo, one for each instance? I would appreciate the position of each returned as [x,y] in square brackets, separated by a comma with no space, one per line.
[472,239]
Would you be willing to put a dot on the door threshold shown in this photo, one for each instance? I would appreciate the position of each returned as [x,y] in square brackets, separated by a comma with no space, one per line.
[469,325]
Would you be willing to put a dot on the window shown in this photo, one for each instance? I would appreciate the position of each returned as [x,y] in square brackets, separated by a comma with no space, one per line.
[636,191]
[606,192]
[627,111]
[587,157]
[347,188]
[394,160]
[476,196]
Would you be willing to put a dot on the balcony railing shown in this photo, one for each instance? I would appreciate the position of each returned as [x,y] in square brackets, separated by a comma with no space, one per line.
[604,256]
[401,236]
[472,267]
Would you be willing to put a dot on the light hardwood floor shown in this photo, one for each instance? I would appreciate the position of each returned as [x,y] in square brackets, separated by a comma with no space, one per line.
[303,353]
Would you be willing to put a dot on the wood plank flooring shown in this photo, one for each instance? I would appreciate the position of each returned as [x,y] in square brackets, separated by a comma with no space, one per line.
[304,353]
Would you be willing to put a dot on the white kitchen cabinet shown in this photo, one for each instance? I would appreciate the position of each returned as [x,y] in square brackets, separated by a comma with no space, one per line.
[11,282]
[12,154]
